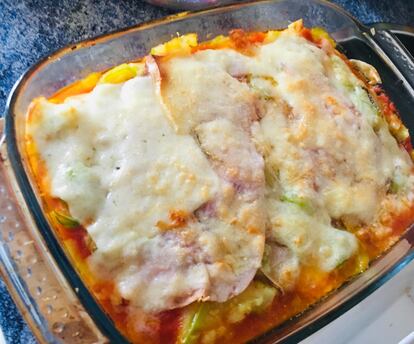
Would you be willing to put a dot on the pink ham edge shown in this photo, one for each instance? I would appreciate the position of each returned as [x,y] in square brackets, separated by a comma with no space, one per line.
[221,289]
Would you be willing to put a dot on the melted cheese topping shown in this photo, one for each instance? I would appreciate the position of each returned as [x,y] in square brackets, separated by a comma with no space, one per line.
[180,176]
[328,152]
[111,146]
[113,156]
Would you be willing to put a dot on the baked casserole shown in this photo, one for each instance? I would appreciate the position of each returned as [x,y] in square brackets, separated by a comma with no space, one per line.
[210,191]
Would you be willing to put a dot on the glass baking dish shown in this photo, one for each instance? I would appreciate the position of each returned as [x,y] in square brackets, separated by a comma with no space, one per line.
[41,278]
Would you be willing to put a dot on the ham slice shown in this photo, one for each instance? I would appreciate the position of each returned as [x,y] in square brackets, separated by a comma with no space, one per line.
[219,111]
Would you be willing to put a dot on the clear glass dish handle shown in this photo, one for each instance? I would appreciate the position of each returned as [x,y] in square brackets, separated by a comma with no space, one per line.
[45,300]
[394,50]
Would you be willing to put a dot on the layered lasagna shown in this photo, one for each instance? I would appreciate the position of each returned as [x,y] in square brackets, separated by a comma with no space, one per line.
[210,191]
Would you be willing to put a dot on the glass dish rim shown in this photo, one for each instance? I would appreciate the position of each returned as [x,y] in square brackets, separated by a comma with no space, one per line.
[101,319]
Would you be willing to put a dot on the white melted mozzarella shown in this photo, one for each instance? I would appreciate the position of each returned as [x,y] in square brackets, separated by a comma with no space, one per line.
[203,99]
[310,236]
[123,149]
[285,140]
[327,141]
[328,153]
[224,140]
[113,156]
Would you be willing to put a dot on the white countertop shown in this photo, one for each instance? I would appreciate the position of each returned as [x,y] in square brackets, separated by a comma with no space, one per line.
[386,316]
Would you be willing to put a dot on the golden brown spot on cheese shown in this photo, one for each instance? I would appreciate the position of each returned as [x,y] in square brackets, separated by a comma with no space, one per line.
[333,105]
[178,219]
[253,230]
